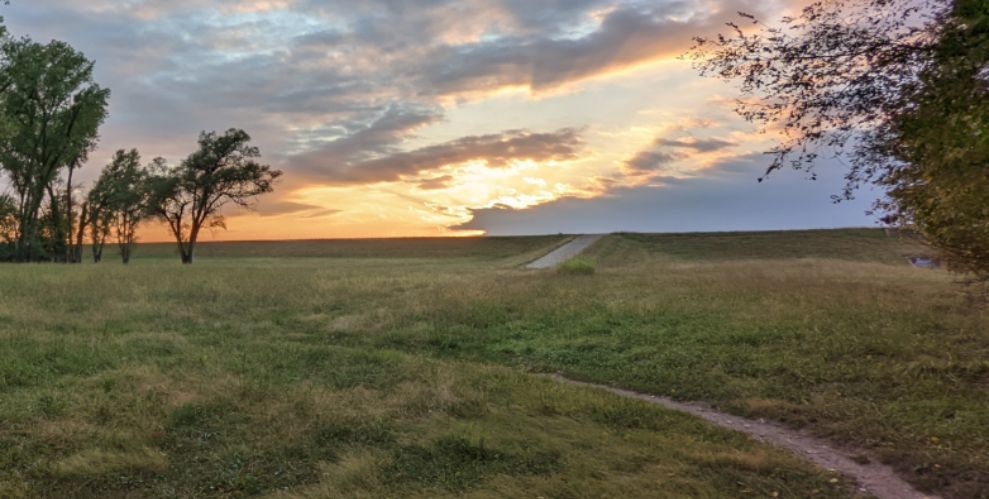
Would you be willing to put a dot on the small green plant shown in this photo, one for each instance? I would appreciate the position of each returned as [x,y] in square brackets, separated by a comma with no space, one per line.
[577,266]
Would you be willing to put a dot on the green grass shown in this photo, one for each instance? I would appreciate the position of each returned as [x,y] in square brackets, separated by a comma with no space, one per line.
[577,266]
[382,373]
[486,248]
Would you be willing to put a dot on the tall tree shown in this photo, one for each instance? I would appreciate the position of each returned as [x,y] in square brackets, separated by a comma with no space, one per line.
[80,235]
[942,138]
[898,87]
[52,109]
[122,188]
[100,219]
[74,249]
[190,196]
[829,80]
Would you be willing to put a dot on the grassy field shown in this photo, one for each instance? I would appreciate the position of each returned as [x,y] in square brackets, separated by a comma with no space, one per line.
[406,368]
[481,249]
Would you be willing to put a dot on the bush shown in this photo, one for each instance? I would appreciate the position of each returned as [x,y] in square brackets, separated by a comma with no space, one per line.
[577,266]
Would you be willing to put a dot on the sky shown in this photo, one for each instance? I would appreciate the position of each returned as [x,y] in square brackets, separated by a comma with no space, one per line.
[394,118]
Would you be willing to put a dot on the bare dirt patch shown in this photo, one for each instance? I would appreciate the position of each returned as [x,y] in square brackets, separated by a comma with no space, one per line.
[871,476]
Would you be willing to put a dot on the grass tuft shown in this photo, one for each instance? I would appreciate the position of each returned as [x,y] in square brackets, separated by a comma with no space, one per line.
[577,266]
[456,463]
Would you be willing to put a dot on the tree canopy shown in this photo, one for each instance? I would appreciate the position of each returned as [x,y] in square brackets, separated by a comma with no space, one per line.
[189,197]
[940,142]
[120,200]
[897,87]
[51,110]
[50,113]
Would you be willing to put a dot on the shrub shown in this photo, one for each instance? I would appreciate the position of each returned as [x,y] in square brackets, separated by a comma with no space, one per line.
[577,266]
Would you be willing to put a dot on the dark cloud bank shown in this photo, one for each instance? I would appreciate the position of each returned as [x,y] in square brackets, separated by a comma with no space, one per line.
[723,198]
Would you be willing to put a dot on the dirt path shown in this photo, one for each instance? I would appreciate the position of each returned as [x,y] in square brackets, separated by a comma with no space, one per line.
[872,477]
[565,252]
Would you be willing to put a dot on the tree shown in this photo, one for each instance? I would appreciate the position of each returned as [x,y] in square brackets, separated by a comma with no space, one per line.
[942,138]
[52,110]
[190,196]
[122,199]
[8,226]
[830,79]
[100,219]
[80,235]
[898,87]
[74,249]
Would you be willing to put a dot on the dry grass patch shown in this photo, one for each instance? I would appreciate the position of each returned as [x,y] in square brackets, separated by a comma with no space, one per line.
[99,462]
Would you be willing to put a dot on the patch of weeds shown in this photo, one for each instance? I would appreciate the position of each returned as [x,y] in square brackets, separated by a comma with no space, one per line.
[49,406]
[467,409]
[215,450]
[29,362]
[240,472]
[195,415]
[457,464]
[339,368]
[627,415]
[328,436]
[577,266]
[197,425]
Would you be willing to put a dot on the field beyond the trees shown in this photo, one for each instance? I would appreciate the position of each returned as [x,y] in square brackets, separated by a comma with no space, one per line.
[411,368]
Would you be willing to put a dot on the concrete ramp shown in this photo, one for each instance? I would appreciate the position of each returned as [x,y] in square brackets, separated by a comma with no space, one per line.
[565,252]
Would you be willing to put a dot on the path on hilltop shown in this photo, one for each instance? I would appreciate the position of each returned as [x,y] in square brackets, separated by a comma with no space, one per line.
[569,250]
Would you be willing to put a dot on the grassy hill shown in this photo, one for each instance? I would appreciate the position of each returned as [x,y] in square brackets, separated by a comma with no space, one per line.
[406,368]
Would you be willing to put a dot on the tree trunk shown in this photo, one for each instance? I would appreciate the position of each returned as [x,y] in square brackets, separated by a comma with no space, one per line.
[58,236]
[27,238]
[70,249]
[97,250]
[191,246]
[125,236]
[80,234]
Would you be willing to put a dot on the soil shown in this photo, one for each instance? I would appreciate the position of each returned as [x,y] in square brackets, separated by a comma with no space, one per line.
[871,476]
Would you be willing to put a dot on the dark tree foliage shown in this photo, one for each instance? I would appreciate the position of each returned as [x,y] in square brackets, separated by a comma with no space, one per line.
[8,226]
[828,80]
[121,194]
[941,141]
[190,196]
[100,217]
[80,233]
[51,111]
[897,87]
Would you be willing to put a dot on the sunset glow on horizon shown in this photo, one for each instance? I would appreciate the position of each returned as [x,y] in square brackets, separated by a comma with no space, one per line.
[394,119]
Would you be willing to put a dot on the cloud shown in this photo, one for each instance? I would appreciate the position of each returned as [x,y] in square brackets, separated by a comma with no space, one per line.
[664,152]
[725,197]
[649,161]
[270,208]
[699,145]
[435,183]
[337,60]
[494,150]
[628,35]
[349,141]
